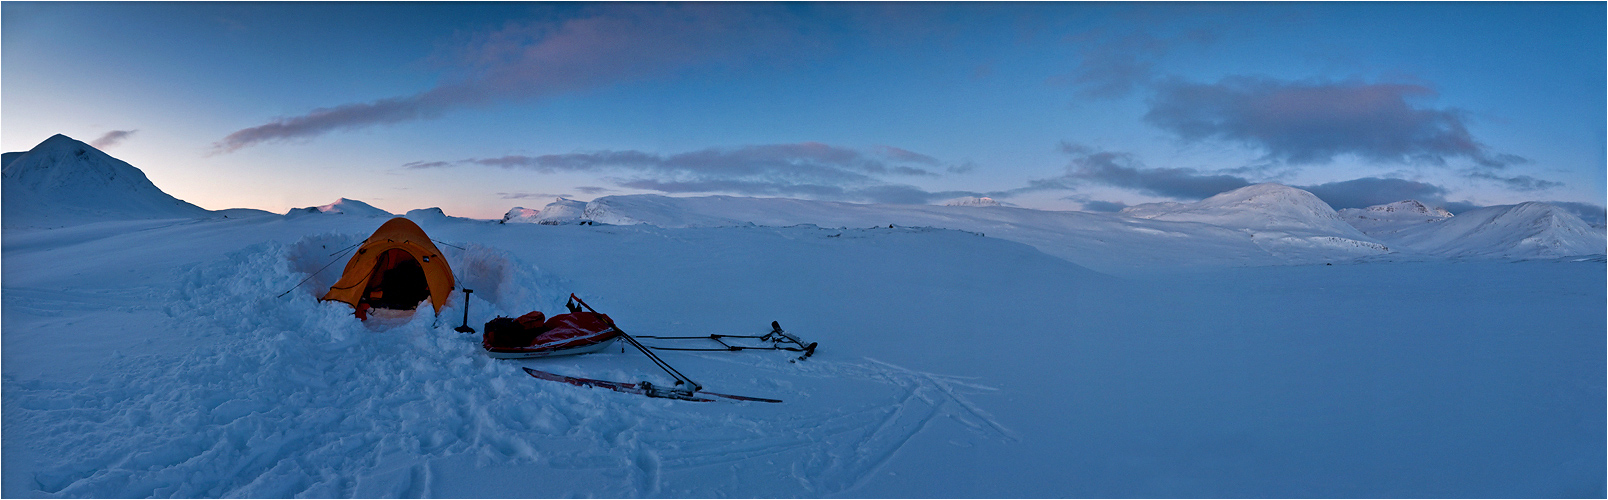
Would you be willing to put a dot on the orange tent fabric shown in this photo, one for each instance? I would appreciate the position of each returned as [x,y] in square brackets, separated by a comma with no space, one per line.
[395,268]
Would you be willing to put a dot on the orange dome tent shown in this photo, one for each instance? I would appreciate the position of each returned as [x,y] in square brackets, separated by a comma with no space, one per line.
[396,268]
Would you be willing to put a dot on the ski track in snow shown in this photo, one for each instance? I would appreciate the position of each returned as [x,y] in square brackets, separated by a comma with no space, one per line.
[283,397]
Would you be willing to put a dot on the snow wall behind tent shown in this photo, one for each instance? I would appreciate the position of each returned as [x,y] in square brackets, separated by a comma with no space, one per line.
[396,268]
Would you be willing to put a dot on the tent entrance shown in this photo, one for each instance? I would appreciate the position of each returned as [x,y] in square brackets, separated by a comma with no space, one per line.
[397,282]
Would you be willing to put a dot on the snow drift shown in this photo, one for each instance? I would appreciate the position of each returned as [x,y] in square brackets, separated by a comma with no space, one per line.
[64,181]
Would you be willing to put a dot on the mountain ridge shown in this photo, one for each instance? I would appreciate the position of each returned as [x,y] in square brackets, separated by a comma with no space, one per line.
[62,180]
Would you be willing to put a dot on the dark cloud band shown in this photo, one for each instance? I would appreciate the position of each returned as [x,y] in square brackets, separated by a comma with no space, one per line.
[1118,169]
[607,44]
[1312,122]
[808,169]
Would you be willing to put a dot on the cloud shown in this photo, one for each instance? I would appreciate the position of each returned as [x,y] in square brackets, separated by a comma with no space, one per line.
[1517,183]
[112,138]
[347,116]
[876,193]
[606,44]
[1093,205]
[593,189]
[1113,65]
[811,161]
[531,196]
[1593,214]
[1123,170]
[1457,207]
[807,169]
[426,164]
[1312,122]
[1370,191]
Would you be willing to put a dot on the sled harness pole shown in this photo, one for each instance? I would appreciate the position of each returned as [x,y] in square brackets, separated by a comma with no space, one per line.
[321,269]
[691,386]
[777,337]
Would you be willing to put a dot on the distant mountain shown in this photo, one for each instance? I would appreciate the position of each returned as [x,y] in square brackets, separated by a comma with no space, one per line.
[972,201]
[423,214]
[1280,219]
[342,206]
[1151,210]
[559,212]
[520,215]
[562,211]
[704,211]
[1379,221]
[1526,230]
[63,181]
[1105,242]
[241,213]
[1261,206]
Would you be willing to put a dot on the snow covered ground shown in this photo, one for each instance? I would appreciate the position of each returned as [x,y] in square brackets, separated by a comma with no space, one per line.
[965,351]
[152,358]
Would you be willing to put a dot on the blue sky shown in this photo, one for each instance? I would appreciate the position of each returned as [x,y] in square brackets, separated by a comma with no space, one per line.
[478,107]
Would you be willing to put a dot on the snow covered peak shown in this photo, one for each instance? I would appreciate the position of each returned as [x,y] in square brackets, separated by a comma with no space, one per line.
[520,215]
[562,211]
[1410,207]
[972,201]
[62,180]
[343,206]
[423,214]
[1526,230]
[61,162]
[1282,220]
[1381,221]
[1270,197]
[1260,206]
